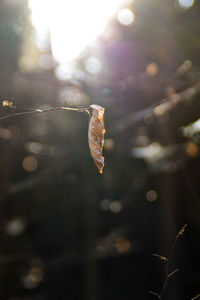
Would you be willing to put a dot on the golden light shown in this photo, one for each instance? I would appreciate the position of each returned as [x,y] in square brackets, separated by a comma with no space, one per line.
[152,69]
[33,278]
[109,144]
[192,149]
[30,163]
[151,196]
[123,245]
[71,24]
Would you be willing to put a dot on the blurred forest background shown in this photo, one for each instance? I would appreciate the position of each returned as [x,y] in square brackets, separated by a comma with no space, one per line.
[67,232]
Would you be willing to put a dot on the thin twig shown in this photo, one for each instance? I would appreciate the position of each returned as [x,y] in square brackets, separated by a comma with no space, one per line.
[159,256]
[155,294]
[196,297]
[167,260]
[38,111]
[172,273]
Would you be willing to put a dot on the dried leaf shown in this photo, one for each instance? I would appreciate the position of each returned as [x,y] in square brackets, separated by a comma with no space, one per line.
[96,135]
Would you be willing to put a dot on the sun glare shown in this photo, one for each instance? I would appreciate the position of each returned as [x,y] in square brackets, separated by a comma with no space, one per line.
[186,3]
[71,24]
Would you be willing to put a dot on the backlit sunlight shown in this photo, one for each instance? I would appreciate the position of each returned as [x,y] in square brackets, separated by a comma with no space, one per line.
[72,25]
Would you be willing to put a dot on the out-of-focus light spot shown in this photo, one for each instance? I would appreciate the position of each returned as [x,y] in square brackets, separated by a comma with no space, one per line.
[34,278]
[152,69]
[125,16]
[186,3]
[192,149]
[15,227]
[30,164]
[151,196]
[191,129]
[105,204]
[34,147]
[93,65]
[185,67]
[115,207]
[158,110]
[156,155]
[123,245]
[65,71]
[148,152]
[109,144]
[162,108]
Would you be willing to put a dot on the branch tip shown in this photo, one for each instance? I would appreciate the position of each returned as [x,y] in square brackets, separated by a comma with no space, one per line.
[155,294]
[167,261]
[172,273]
[181,232]
[196,297]
[160,256]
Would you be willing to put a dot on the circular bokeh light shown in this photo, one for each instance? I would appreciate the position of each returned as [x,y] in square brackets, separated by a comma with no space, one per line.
[30,164]
[125,16]
[93,65]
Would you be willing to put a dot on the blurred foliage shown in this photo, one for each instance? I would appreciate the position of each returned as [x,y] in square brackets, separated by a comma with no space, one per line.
[68,232]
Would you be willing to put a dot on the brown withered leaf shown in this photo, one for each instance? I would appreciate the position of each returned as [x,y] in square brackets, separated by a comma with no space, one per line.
[96,133]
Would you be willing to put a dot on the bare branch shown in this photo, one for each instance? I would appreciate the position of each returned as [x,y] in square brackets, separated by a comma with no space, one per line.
[172,273]
[160,256]
[155,294]
[196,297]
[167,261]
[38,111]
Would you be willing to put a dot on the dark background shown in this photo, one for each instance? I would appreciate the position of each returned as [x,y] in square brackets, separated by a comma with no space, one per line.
[67,232]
